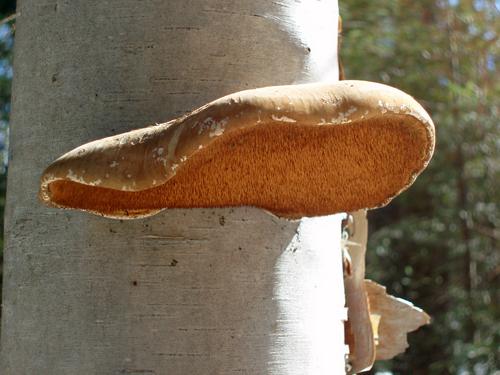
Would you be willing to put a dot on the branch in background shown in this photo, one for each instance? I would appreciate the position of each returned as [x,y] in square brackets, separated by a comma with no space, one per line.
[489,232]
[12,17]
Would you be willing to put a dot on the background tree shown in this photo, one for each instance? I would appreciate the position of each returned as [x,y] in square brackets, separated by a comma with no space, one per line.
[437,244]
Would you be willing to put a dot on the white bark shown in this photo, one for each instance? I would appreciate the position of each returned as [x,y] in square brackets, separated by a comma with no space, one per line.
[223,291]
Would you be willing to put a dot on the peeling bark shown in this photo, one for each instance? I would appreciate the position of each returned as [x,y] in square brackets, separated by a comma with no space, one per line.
[395,318]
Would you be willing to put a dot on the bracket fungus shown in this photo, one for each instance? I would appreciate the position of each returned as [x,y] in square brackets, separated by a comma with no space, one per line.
[300,150]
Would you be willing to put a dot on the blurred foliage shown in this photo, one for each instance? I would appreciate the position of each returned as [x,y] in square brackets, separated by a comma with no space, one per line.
[437,244]
[7,8]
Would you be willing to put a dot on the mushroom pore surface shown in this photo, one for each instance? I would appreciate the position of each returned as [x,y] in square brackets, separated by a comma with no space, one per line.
[291,170]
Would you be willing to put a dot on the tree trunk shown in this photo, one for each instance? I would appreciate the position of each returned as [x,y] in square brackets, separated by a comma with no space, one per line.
[204,291]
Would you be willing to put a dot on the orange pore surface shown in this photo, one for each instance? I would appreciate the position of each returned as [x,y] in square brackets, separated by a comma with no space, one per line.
[288,169]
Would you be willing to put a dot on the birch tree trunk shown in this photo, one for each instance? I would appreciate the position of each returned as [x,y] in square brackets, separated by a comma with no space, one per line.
[222,291]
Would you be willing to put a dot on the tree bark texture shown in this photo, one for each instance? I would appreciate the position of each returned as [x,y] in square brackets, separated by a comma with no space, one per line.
[204,291]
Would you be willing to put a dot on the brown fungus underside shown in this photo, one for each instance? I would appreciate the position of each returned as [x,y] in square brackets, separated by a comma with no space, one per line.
[288,169]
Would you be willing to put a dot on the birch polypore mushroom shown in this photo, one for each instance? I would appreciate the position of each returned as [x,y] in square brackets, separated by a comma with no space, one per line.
[301,150]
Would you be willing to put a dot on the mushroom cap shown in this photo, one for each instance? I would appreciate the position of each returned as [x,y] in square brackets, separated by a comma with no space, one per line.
[300,150]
